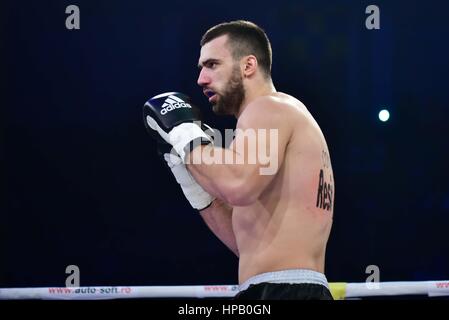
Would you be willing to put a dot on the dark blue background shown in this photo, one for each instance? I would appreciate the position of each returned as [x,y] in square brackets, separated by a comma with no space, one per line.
[81,180]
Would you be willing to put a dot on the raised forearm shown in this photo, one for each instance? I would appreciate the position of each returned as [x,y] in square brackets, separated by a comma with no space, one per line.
[222,172]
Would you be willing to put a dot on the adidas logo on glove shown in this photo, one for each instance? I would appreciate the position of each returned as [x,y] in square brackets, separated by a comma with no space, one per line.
[173,102]
[171,117]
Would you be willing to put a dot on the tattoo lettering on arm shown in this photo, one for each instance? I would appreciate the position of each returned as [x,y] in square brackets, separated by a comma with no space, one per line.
[325,159]
[325,187]
[325,191]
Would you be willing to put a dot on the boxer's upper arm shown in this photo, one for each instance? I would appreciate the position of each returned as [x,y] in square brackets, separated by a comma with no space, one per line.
[262,134]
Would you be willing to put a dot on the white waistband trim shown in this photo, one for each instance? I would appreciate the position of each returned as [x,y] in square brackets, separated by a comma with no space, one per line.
[290,276]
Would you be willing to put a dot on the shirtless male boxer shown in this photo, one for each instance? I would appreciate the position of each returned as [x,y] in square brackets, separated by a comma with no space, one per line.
[277,224]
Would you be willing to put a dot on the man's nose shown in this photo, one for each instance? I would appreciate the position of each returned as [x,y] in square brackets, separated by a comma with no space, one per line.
[203,79]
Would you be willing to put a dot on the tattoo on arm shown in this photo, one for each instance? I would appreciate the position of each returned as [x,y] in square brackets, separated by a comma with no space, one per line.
[325,187]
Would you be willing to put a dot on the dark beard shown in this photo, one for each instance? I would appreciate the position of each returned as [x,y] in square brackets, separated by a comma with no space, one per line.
[230,101]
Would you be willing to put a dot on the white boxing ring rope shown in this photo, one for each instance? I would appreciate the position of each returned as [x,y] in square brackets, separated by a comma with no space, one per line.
[340,290]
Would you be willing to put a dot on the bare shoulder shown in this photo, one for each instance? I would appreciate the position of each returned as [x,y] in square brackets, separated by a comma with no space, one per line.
[274,109]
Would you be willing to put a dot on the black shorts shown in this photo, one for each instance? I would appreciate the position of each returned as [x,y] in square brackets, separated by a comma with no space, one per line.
[285,291]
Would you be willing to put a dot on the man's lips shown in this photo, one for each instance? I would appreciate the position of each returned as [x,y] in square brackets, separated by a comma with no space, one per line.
[210,94]
[213,97]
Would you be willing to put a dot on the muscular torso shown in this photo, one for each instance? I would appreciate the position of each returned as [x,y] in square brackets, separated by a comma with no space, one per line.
[289,225]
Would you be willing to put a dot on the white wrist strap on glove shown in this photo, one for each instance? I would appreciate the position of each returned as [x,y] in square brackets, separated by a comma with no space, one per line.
[195,194]
[180,136]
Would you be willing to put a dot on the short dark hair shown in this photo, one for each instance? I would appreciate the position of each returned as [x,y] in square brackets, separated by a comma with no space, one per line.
[245,38]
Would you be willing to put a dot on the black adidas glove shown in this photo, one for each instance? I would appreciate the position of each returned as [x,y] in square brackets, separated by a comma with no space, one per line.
[171,118]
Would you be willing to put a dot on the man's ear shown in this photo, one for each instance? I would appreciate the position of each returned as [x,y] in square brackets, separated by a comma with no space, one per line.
[249,66]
